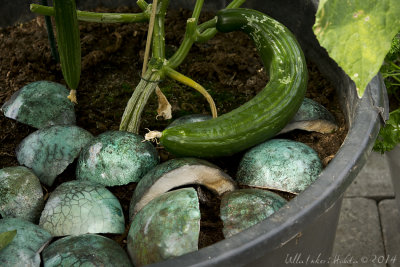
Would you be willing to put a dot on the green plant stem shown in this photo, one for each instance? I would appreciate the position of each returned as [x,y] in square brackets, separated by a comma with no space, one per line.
[96,17]
[50,35]
[193,33]
[143,5]
[158,47]
[131,118]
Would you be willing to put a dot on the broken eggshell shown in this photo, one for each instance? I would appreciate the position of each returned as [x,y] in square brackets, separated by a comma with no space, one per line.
[87,250]
[80,207]
[312,117]
[279,164]
[116,158]
[166,227]
[40,104]
[24,249]
[175,173]
[21,194]
[49,151]
[241,209]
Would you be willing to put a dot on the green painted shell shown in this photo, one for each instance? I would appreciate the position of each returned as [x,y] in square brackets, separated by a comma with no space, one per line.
[49,151]
[167,227]
[267,113]
[279,164]
[40,104]
[21,194]
[80,207]
[176,173]
[241,209]
[24,249]
[85,250]
[116,158]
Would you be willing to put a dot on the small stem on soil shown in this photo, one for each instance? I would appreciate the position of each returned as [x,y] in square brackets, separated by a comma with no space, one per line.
[189,82]
[149,36]
[96,17]
[50,35]
[142,5]
[72,96]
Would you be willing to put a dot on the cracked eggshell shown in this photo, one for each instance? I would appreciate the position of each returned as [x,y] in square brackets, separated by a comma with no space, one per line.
[21,194]
[49,151]
[41,104]
[175,173]
[166,227]
[85,250]
[312,117]
[279,164]
[116,158]
[80,207]
[24,249]
[241,209]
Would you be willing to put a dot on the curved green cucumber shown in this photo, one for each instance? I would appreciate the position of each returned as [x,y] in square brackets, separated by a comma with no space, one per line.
[268,112]
[69,45]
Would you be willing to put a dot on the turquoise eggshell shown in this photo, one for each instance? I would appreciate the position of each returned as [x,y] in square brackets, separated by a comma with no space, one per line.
[24,249]
[80,207]
[189,119]
[175,173]
[167,227]
[279,164]
[241,209]
[21,194]
[49,151]
[116,158]
[85,250]
[40,104]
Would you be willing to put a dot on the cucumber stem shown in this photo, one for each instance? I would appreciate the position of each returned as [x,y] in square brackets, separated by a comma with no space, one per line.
[96,17]
[189,82]
[50,35]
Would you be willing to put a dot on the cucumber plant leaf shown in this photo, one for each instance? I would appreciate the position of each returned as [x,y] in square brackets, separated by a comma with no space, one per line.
[357,34]
[6,238]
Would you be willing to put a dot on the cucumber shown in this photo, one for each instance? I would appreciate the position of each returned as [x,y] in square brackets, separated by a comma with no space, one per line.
[68,40]
[268,112]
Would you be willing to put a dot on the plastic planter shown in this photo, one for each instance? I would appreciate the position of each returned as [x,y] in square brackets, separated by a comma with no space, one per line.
[306,226]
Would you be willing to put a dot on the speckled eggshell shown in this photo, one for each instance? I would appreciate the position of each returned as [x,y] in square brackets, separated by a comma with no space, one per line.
[241,209]
[24,249]
[49,151]
[21,195]
[80,207]
[85,250]
[167,227]
[116,158]
[280,164]
[41,104]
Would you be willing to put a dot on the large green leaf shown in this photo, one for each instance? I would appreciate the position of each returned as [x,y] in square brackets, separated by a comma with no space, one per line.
[6,238]
[357,34]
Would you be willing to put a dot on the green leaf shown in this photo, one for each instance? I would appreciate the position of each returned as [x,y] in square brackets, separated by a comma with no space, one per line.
[389,136]
[357,34]
[6,238]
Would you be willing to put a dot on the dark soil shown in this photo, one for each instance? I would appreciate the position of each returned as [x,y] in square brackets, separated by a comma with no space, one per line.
[227,66]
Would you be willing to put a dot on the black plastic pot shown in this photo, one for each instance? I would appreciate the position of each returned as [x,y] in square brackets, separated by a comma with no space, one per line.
[304,229]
